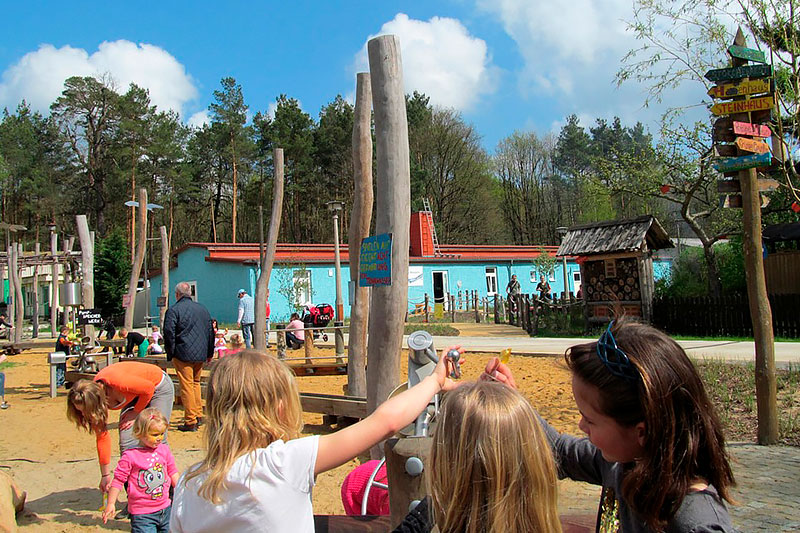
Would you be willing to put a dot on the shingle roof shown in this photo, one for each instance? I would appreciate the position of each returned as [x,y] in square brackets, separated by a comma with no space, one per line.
[615,236]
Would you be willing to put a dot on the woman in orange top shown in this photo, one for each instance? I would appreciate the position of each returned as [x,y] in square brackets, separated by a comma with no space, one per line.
[130,386]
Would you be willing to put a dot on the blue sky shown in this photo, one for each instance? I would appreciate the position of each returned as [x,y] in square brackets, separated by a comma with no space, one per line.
[505,64]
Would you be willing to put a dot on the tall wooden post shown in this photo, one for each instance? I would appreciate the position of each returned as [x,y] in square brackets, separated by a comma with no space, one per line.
[54,274]
[37,249]
[136,268]
[19,307]
[268,257]
[393,214]
[760,312]
[359,229]
[165,249]
[87,267]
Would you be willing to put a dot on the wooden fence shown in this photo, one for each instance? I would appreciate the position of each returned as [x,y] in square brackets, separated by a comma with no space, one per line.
[725,316]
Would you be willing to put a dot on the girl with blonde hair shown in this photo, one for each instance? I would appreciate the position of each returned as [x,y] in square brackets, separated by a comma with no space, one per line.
[257,474]
[491,467]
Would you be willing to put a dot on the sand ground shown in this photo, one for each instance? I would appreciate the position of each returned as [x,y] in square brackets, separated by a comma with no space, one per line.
[56,463]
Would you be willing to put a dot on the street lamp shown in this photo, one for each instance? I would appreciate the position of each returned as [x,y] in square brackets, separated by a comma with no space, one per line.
[150,207]
[562,232]
[335,207]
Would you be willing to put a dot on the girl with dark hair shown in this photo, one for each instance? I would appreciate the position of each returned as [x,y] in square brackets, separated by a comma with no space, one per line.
[654,442]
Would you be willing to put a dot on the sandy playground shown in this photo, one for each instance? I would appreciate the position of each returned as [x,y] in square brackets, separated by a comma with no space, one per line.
[56,463]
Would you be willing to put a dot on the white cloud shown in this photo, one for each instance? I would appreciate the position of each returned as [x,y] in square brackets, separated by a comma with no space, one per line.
[199,119]
[38,77]
[441,59]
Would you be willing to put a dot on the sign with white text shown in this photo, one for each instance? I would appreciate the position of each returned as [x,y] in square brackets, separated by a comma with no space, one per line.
[375,261]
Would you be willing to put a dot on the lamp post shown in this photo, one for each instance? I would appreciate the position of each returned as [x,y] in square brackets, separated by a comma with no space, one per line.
[335,207]
[150,207]
[562,232]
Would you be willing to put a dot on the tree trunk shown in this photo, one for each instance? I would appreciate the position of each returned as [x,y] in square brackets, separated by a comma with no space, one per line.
[389,304]
[235,179]
[165,249]
[136,268]
[714,283]
[359,228]
[269,256]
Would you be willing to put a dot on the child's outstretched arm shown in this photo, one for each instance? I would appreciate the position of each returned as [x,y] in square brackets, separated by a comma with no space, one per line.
[390,417]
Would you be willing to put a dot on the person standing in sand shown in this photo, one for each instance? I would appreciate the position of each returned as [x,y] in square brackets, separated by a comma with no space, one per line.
[189,342]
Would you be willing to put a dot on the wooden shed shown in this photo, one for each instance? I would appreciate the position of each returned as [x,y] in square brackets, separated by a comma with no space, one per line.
[616,265]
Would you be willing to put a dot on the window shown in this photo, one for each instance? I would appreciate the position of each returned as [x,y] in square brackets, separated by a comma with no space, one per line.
[193,288]
[491,281]
[301,280]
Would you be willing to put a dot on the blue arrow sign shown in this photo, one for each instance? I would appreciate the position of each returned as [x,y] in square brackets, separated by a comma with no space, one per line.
[731,164]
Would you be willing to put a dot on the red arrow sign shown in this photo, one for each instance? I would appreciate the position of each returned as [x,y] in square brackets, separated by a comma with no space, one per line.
[753,130]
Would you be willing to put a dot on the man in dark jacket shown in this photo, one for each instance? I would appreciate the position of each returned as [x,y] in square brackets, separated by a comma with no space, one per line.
[189,342]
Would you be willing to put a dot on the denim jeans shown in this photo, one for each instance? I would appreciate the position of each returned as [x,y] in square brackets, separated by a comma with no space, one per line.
[2,385]
[247,335]
[157,522]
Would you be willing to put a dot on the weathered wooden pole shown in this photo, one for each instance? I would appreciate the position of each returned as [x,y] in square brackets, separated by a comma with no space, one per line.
[359,229]
[136,268]
[18,294]
[37,249]
[165,248]
[87,268]
[760,312]
[268,257]
[393,214]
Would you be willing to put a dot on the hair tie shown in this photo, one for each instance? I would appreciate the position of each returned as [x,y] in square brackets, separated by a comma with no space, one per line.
[614,359]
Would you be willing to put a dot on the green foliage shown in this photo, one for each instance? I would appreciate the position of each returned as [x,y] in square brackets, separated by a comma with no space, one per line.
[730,261]
[292,287]
[688,275]
[544,263]
[112,271]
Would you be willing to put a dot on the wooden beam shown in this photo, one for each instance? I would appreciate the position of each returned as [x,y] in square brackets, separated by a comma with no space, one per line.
[359,229]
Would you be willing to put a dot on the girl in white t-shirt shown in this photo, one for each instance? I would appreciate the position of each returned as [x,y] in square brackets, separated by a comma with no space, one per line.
[258,474]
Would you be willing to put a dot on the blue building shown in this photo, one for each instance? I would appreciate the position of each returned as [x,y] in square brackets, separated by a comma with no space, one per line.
[306,273]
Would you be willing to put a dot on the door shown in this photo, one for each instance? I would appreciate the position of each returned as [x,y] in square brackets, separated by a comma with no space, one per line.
[576,281]
[441,289]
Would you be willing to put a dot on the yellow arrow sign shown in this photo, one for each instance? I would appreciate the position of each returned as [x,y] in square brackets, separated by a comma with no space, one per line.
[743,106]
[743,88]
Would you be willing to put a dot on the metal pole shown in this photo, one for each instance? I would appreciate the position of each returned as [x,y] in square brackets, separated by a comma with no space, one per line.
[339,304]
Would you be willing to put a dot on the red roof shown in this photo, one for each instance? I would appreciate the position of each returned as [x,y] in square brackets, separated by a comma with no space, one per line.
[324,253]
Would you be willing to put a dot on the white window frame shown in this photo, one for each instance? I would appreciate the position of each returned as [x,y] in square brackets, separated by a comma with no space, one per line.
[491,280]
[303,295]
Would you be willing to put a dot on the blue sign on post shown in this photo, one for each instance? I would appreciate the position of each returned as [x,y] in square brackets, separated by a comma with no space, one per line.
[375,261]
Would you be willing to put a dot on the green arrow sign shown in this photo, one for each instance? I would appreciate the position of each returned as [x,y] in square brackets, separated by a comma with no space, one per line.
[730,164]
[735,73]
[741,52]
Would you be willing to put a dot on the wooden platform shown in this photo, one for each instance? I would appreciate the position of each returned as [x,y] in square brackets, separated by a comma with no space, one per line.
[301,370]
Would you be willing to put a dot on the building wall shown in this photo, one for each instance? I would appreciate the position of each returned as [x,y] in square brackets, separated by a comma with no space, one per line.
[218,282]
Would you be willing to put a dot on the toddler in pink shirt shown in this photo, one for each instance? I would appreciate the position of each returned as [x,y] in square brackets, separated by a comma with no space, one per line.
[148,471]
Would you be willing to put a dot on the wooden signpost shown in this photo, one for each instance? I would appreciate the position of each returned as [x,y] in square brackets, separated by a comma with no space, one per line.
[745,122]
[753,130]
[740,52]
[729,164]
[726,186]
[736,73]
[743,106]
[751,145]
[742,88]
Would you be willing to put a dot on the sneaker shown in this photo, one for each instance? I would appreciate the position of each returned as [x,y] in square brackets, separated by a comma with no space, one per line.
[123,514]
[4,405]
[187,427]
[200,421]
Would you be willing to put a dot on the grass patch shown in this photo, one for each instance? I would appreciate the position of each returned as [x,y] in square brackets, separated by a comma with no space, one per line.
[10,364]
[733,391]
[432,328]
[729,339]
